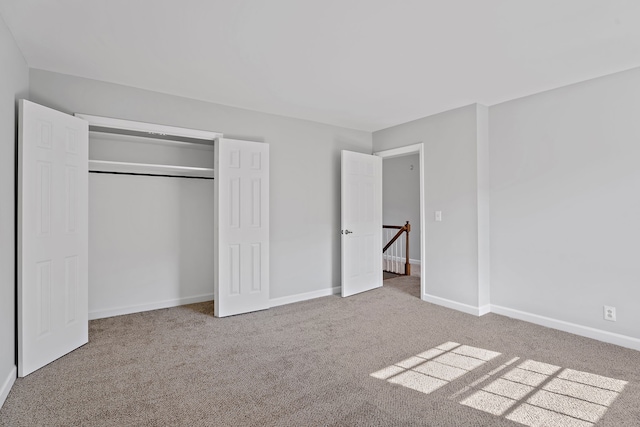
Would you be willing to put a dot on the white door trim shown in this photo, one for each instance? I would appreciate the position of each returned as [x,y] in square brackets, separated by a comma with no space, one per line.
[150,128]
[403,151]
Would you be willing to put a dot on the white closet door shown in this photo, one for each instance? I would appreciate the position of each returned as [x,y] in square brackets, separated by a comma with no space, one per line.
[361,199]
[242,227]
[52,235]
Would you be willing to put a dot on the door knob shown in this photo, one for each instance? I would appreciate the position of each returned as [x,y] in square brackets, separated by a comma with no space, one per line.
[347,232]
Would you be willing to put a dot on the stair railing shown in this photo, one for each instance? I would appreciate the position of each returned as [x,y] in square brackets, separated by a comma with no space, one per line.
[395,251]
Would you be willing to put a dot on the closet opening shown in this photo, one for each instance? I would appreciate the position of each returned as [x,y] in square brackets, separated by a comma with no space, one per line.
[151,209]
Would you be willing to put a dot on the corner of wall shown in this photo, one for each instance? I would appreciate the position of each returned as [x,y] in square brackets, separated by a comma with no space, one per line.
[14,84]
[482,135]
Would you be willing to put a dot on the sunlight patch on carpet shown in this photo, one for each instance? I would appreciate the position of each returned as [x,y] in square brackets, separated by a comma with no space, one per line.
[531,393]
[428,371]
[539,394]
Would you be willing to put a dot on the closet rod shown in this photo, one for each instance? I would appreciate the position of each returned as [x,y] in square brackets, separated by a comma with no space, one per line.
[153,174]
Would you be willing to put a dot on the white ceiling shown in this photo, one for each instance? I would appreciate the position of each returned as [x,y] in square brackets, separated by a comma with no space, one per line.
[364,64]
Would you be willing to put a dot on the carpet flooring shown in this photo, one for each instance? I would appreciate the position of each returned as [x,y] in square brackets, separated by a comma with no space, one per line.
[381,358]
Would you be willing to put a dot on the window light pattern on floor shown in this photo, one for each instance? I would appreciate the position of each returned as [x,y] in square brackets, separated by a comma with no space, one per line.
[538,394]
[436,367]
[531,393]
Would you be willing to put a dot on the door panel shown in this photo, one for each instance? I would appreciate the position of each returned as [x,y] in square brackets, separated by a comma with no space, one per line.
[52,235]
[361,222]
[242,224]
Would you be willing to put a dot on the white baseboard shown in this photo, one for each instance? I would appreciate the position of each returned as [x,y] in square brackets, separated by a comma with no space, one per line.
[119,311]
[484,309]
[585,331]
[304,296]
[7,384]
[455,305]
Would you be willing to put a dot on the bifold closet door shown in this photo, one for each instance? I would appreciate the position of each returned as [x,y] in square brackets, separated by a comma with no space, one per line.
[242,227]
[52,235]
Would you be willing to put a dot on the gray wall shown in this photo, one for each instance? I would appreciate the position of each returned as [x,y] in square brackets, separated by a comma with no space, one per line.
[451,186]
[565,203]
[401,197]
[305,160]
[14,84]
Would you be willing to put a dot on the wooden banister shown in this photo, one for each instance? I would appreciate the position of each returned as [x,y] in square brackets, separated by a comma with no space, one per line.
[401,229]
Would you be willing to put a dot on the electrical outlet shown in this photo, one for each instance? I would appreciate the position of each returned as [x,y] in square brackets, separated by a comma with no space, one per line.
[609,313]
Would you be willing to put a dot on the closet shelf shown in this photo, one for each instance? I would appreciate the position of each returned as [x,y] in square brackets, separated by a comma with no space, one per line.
[132,137]
[150,169]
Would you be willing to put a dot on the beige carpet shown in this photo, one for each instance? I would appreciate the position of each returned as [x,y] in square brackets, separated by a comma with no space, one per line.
[381,358]
[407,284]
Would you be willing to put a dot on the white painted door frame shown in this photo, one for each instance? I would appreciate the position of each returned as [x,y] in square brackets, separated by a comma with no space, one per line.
[404,151]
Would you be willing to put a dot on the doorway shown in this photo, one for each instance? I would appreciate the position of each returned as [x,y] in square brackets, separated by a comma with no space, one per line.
[403,200]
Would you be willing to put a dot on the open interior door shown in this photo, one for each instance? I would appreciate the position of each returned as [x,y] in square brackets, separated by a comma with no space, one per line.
[242,227]
[361,222]
[52,235]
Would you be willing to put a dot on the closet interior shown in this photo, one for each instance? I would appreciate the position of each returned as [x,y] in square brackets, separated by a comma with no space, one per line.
[151,210]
